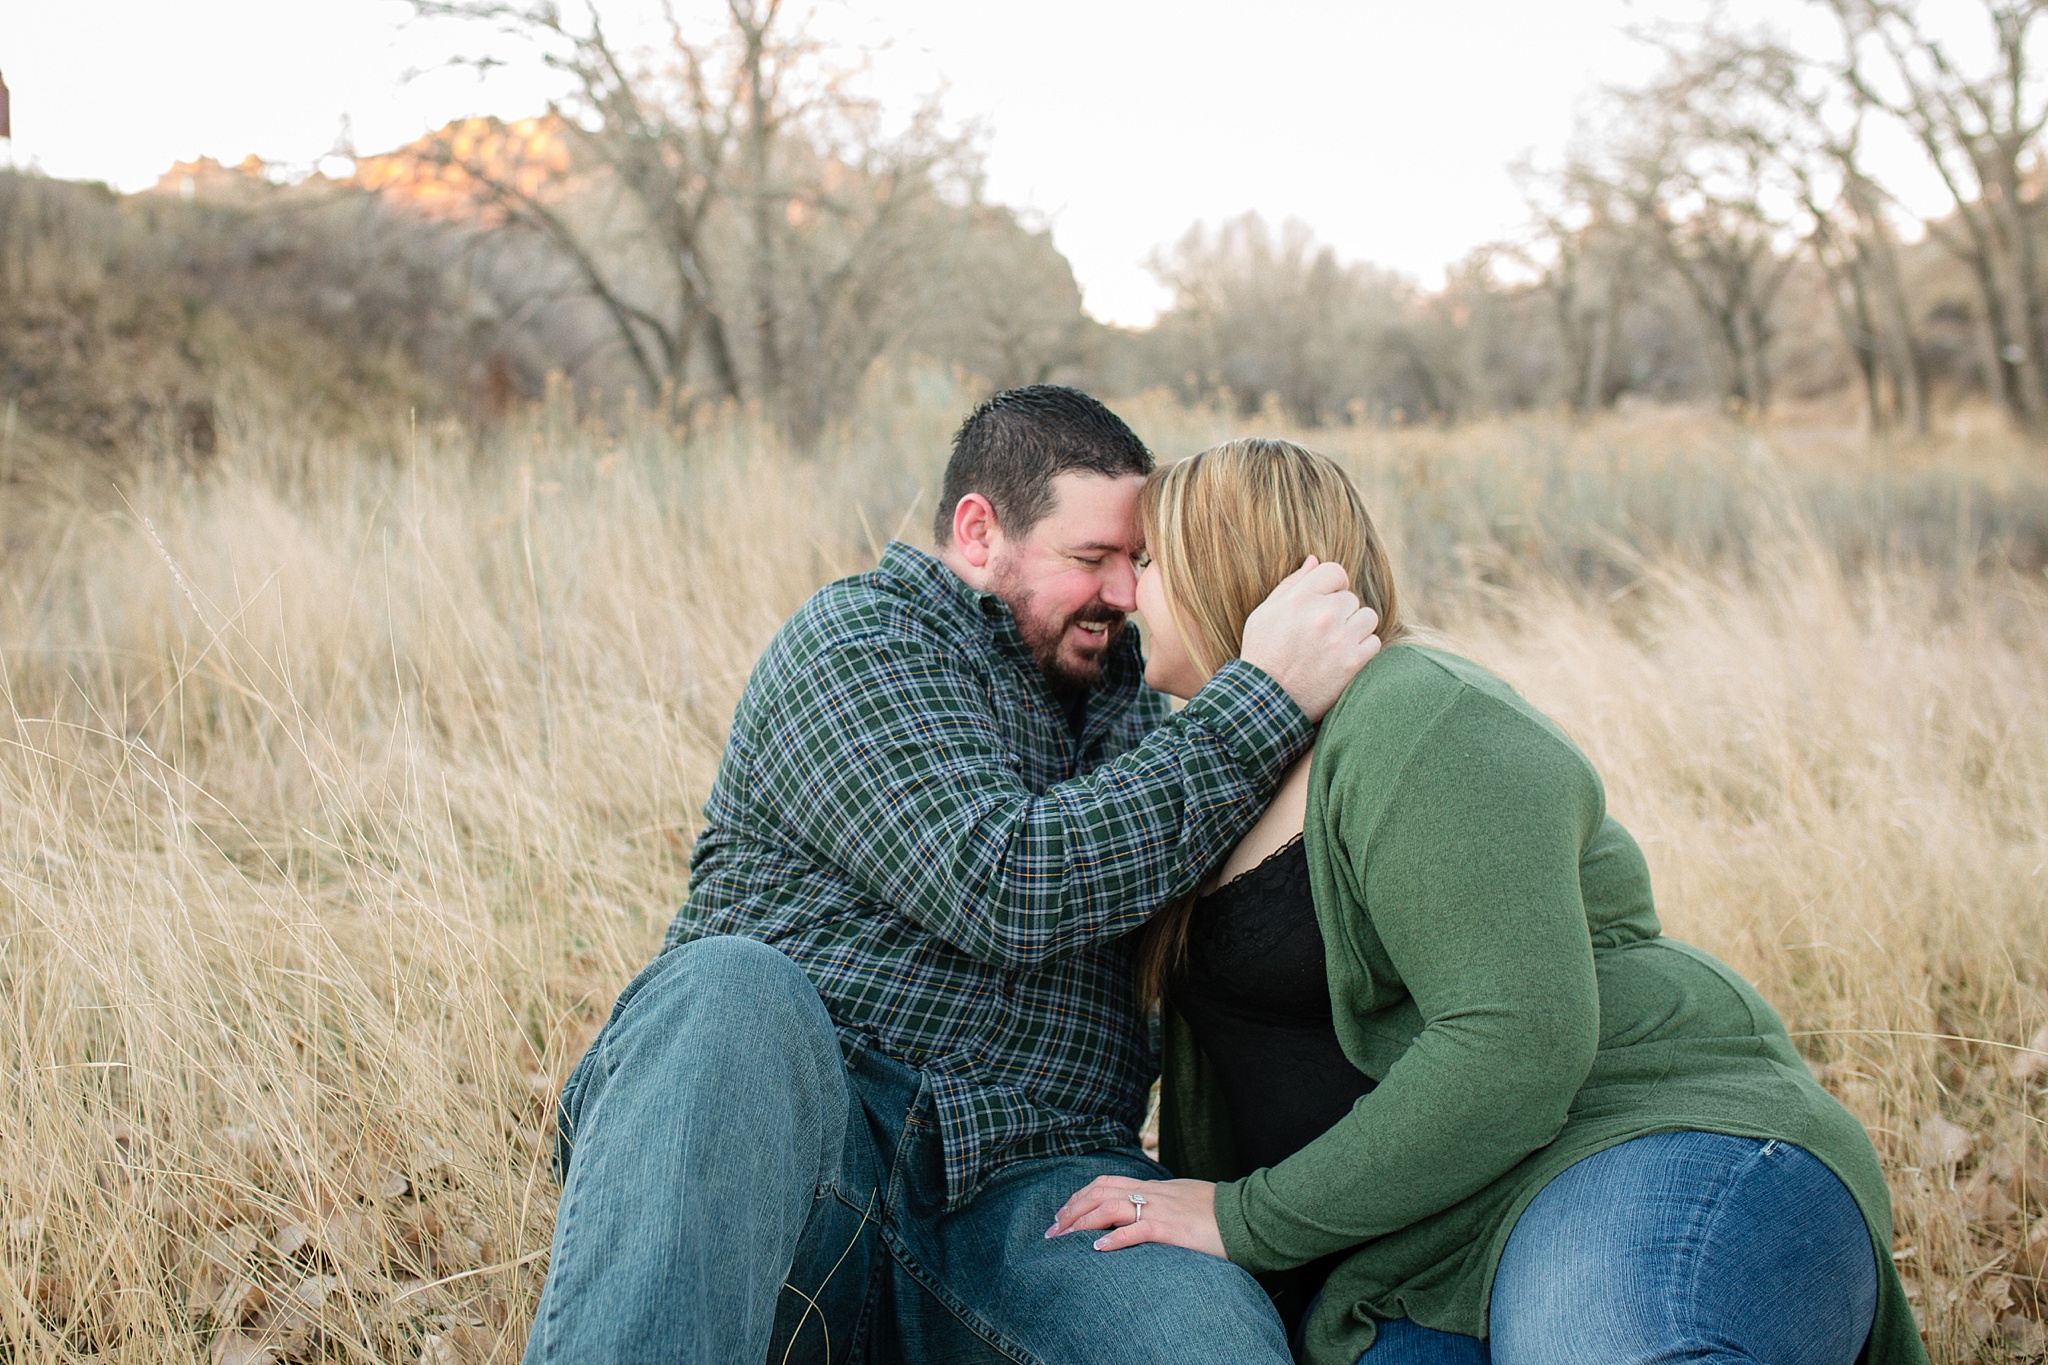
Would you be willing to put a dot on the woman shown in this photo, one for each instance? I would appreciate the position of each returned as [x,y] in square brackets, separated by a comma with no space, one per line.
[1423,1029]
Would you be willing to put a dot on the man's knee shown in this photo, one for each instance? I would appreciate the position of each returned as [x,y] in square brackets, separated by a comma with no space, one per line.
[723,1003]
[1220,1302]
[726,1021]
[1171,1306]
[738,961]
[741,984]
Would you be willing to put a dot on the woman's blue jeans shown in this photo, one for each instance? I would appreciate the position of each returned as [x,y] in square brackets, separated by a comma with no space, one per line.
[1690,1247]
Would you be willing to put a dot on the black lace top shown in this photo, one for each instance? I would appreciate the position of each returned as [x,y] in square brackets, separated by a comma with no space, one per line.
[1256,994]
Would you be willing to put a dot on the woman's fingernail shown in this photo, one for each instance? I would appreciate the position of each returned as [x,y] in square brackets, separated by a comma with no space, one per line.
[1051,1230]
[1099,1241]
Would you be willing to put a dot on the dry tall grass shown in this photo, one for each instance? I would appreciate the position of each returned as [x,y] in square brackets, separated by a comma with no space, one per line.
[339,793]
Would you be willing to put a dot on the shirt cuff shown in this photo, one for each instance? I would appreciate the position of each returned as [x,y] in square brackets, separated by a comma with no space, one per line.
[1240,1245]
[1255,718]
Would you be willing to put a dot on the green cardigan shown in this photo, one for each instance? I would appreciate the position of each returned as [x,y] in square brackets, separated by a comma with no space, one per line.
[1495,965]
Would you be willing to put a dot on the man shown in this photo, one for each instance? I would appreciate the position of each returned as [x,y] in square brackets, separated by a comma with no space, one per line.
[893,1027]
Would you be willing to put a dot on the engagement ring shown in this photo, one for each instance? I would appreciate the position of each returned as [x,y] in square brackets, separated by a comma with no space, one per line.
[1137,1203]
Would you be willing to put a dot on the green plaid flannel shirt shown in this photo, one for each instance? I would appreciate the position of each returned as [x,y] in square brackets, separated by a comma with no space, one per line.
[906,810]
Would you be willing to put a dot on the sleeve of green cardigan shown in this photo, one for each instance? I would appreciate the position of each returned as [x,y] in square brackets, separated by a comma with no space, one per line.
[1470,874]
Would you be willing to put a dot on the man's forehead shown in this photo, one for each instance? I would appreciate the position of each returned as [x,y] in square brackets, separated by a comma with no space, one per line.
[1091,510]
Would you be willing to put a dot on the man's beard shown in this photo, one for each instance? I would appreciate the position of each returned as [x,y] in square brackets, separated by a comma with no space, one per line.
[1069,677]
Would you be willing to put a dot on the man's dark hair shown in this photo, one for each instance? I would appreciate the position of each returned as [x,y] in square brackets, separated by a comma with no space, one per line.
[1010,448]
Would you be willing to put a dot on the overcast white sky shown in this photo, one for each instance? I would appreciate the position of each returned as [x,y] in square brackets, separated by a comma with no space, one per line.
[1387,125]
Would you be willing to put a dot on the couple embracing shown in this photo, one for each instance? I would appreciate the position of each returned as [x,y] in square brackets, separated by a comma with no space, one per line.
[1434,1086]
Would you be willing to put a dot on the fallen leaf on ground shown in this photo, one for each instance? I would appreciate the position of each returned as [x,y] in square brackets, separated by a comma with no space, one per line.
[2030,1269]
[467,1344]
[237,1303]
[240,1348]
[2025,1336]
[222,1259]
[54,1296]
[1988,1199]
[292,1239]
[2032,1064]
[1944,1145]
[2024,1173]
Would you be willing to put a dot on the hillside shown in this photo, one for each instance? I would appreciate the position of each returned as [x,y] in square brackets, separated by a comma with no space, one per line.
[128,324]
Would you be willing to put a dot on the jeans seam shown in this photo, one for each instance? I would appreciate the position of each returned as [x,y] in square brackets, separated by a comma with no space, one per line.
[899,1161]
[835,1190]
[868,1214]
[567,1123]
[968,1318]
[564,1231]
[1698,1248]
[870,1305]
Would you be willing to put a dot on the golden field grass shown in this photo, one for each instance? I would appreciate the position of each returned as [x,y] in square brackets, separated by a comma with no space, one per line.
[344,783]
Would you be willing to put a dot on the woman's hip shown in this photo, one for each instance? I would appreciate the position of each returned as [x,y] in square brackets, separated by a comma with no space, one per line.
[1684,1246]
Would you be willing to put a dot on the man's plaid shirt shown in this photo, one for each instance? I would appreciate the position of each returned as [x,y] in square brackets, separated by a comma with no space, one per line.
[905,809]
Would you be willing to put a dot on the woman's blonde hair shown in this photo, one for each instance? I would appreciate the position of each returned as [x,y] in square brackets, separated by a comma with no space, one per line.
[1224,528]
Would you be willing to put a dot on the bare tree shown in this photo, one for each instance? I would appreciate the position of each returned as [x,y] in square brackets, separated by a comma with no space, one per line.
[1853,241]
[1587,253]
[1786,116]
[1259,313]
[740,213]
[1713,209]
[1979,131]
[1012,313]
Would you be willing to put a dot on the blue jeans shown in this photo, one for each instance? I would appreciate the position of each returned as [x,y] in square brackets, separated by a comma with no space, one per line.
[1680,1247]
[738,1189]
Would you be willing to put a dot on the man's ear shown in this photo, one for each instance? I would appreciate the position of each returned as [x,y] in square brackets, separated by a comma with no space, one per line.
[975,533]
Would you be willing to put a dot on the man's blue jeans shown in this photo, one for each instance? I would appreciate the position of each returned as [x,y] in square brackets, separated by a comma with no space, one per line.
[736,1189]
[1687,1247]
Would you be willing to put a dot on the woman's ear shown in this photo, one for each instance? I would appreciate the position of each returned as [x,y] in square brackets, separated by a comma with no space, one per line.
[975,532]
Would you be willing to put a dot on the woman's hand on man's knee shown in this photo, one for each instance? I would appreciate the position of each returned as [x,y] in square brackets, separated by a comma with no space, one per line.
[1178,1213]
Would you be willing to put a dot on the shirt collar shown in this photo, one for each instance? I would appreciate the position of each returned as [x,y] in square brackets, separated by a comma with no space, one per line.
[1123,671]
[935,582]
